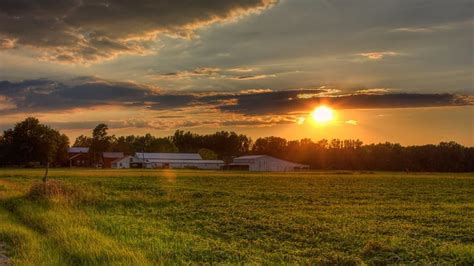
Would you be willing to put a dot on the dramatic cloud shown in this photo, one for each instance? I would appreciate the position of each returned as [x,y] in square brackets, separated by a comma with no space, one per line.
[84,31]
[286,102]
[47,95]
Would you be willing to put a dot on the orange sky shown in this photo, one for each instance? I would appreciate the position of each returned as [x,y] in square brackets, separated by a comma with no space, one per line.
[398,71]
[406,126]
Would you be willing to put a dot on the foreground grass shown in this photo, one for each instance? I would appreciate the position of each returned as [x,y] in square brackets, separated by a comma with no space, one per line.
[140,217]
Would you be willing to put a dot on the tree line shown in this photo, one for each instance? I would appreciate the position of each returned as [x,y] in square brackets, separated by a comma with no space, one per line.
[31,143]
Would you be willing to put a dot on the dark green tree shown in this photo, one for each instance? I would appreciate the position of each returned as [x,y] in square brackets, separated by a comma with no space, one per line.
[207,154]
[82,141]
[101,141]
[30,142]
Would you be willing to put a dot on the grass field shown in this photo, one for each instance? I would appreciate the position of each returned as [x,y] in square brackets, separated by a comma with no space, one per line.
[142,217]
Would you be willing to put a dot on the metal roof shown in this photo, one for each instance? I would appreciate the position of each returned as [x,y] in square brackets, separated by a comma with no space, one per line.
[112,155]
[243,159]
[185,161]
[168,156]
[249,157]
[78,150]
[76,156]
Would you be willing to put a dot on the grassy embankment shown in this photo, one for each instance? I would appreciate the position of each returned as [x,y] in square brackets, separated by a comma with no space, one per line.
[152,216]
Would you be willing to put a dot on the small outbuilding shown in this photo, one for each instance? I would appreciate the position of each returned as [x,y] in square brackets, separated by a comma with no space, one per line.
[109,157]
[122,162]
[264,163]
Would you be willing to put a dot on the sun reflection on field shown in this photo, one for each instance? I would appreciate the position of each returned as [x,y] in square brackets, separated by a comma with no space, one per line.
[169,175]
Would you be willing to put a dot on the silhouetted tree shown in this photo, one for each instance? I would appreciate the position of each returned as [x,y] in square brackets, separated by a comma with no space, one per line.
[101,141]
[224,144]
[82,141]
[30,142]
[207,154]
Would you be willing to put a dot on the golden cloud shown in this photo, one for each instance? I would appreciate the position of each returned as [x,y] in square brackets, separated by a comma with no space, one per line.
[377,55]
[88,31]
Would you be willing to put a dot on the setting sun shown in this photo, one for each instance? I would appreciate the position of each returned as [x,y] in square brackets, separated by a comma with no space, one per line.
[322,114]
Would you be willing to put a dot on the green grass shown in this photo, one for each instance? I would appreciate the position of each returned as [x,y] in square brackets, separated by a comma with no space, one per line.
[142,217]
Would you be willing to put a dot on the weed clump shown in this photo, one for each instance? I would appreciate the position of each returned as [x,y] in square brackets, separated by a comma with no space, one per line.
[373,247]
[380,253]
[54,191]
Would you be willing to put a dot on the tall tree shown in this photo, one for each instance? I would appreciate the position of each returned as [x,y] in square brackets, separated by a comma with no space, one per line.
[83,141]
[101,141]
[31,142]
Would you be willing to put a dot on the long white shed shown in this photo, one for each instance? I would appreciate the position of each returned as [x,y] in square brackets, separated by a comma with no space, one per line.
[265,163]
[175,160]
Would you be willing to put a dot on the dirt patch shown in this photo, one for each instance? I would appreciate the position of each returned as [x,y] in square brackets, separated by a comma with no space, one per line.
[4,260]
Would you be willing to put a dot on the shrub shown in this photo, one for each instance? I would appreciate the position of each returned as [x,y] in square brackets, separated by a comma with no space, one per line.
[53,190]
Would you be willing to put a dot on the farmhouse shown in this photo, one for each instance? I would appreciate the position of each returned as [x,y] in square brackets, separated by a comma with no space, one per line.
[79,156]
[174,160]
[264,163]
[109,157]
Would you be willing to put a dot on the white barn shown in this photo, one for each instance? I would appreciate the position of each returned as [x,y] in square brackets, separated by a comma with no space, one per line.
[174,160]
[265,163]
[122,162]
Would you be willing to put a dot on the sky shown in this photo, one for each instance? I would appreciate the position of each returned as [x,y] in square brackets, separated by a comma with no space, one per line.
[398,71]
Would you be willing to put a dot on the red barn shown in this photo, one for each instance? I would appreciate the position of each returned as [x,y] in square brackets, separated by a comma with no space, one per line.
[109,157]
[79,157]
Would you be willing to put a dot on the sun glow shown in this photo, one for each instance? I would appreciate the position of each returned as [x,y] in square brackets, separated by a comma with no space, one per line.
[323,114]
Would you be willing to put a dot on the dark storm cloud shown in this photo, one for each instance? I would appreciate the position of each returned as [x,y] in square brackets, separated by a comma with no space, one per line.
[89,30]
[12,88]
[47,95]
[170,101]
[284,102]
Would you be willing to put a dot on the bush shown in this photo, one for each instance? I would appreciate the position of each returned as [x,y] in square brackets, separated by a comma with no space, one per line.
[53,190]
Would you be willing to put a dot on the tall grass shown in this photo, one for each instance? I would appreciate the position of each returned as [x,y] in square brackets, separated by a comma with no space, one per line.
[142,217]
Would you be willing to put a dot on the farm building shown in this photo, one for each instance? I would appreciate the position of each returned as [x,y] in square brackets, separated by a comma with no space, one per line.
[109,157]
[174,160]
[264,163]
[79,156]
[122,162]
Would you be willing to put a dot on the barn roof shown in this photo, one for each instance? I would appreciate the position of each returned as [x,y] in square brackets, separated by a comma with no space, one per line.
[247,157]
[168,156]
[78,150]
[112,155]
[243,159]
[185,161]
